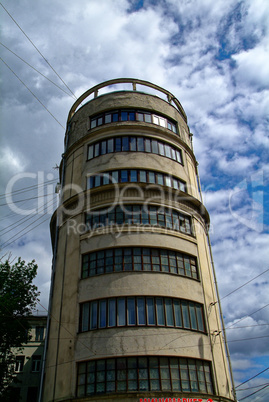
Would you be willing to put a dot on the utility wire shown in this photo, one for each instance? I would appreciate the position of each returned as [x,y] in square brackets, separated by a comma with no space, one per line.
[244,284]
[245,397]
[37,70]
[256,386]
[32,92]
[249,315]
[38,51]
[252,378]
[29,188]
[26,199]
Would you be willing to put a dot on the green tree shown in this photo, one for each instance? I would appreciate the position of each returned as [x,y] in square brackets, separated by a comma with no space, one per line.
[18,297]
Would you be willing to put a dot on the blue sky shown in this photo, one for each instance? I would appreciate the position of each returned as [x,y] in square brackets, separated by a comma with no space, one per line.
[213,56]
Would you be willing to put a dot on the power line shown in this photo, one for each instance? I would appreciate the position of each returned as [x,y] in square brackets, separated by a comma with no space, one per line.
[256,386]
[36,70]
[38,50]
[249,315]
[252,377]
[244,284]
[245,397]
[26,199]
[32,92]
[29,188]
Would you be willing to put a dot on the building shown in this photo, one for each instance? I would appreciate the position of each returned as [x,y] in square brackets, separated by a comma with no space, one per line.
[133,302]
[29,360]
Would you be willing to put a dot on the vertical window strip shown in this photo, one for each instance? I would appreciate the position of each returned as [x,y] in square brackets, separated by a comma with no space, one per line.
[144,373]
[134,144]
[141,311]
[139,259]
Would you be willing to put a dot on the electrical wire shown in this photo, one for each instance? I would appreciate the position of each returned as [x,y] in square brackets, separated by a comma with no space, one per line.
[249,315]
[38,51]
[37,70]
[26,199]
[32,93]
[256,386]
[252,377]
[253,393]
[29,188]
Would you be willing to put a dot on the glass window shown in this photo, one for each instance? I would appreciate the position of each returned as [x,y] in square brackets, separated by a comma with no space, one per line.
[167,151]
[133,175]
[143,176]
[110,145]
[140,144]
[131,116]
[160,178]
[115,176]
[154,146]
[115,116]
[147,118]
[19,362]
[125,143]
[93,123]
[173,154]
[124,176]
[147,145]
[140,116]
[132,144]
[168,181]
[155,119]
[160,311]
[161,149]
[131,311]
[90,152]
[102,314]
[93,320]
[124,116]
[141,311]
[151,311]
[199,313]
[151,177]
[100,121]
[169,312]
[121,311]
[96,149]
[105,179]
[175,184]
[85,317]
[177,312]
[103,148]
[193,316]
[162,122]
[185,313]
[118,144]
[108,118]
[178,155]
[36,363]
[111,312]
[97,180]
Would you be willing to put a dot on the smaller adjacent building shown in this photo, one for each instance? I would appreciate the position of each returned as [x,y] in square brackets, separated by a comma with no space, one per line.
[29,360]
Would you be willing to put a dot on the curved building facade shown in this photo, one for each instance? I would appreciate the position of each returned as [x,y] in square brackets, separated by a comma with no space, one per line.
[132,308]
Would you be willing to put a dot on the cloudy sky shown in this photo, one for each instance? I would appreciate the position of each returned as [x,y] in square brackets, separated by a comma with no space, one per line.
[213,55]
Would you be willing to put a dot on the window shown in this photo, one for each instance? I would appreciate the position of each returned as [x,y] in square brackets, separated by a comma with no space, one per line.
[132,115]
[19,362]
[132,214]
[134,144]
[144,373]
[141,310]
[139,259]
[36,363]
[39,333]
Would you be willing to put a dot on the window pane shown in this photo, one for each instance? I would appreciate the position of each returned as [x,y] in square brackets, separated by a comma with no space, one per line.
[102,314]
[169,313]
[162,122]
[111,312]
[140,116]
[147,118]
[85,317]
[103,147]
[124,176]
[140,144]
[124,116]
[96,149]
[118,144]
[155,119]
[160,179]
[131,116]
[173,154]
[199,313]
[147,145]
[177,311]
[121,311]
[115,116]
[178,154]
[131,310]
[185,313]
[110,145]
[100,121]
[132,144]
[141,311]
[133,175]
[161,149]
[167,151]
[93,321]
[168,181]
[160,311]
[93,123]
[115,176]
[154,147]
[150,311]
[90,152]
[125,143]
[143,176]
[193,316]
[108,118]
[151,177]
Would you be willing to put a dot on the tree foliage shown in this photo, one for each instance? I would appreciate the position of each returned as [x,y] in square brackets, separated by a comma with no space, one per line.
[18,297]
